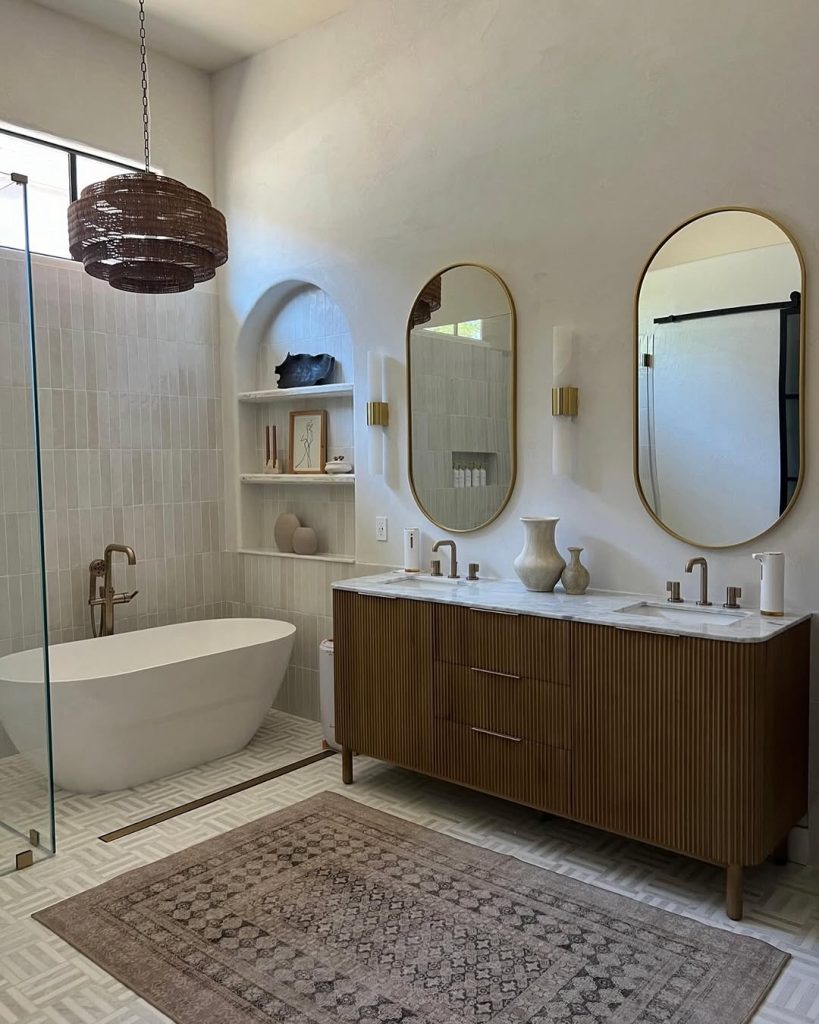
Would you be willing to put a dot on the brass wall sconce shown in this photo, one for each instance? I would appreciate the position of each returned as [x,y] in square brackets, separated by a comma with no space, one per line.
[378,414]
[564,401]
[378,409]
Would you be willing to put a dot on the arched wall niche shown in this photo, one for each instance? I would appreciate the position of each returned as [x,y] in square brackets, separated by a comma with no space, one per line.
[294,316]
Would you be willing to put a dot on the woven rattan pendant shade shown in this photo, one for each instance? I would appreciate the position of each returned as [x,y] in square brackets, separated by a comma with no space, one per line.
[143,232]
[427,303]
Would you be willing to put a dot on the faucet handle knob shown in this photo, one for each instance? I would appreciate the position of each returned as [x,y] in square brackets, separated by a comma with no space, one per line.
[673,588]
[435,567]
[474,568]
[732,596]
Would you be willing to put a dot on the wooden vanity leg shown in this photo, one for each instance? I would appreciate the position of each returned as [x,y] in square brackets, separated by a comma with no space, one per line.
[347,766]
[733,891]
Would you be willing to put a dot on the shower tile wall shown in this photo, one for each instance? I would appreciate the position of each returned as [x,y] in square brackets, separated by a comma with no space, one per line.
[132,452]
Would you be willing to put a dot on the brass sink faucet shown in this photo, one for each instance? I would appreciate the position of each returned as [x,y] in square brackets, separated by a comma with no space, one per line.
[700,561]
[453,556]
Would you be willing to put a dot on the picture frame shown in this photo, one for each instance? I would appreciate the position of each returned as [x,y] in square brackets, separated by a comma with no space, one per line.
[307,448]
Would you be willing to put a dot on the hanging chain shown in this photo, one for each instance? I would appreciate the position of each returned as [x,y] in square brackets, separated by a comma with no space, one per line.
[143,53]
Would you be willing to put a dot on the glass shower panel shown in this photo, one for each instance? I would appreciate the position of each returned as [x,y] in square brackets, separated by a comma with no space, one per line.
[26,780]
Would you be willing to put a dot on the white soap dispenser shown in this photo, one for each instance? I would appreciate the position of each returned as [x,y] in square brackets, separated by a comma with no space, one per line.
[772,585]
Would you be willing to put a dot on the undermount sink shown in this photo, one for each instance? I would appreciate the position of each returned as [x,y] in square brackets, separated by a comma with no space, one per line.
[429,584]
[683,615]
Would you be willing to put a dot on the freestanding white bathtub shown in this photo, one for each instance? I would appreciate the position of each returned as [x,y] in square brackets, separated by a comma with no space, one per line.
[137,706]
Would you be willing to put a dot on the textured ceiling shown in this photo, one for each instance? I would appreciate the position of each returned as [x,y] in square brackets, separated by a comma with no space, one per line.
[207,34]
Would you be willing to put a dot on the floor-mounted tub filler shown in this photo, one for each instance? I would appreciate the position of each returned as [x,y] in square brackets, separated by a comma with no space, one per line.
[138,706]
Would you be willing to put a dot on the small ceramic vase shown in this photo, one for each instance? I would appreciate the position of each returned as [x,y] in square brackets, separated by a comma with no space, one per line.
[283,530]
[575,576]
[305,541]
[539,564]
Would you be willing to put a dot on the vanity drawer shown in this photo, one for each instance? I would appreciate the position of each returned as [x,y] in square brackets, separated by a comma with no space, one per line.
[531,709]
[529,773]
[522,645]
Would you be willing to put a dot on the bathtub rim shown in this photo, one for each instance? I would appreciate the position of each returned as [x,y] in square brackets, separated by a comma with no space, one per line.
[101,670]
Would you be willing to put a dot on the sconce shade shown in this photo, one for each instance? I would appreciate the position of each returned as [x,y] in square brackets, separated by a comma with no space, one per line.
[427,303]
[143,232]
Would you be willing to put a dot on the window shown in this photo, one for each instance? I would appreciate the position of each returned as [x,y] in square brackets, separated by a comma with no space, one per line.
[466,329]
[56,176]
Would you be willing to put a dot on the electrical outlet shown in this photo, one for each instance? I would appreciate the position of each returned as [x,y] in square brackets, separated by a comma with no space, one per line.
[380,527]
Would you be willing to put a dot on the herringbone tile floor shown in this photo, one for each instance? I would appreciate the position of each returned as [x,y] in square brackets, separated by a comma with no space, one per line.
[44,981]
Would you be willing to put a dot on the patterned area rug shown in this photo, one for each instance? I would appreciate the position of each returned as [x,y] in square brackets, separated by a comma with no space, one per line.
[332,913]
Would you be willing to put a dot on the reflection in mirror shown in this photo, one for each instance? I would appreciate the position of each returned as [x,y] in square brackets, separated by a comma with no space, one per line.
[461,378]
[719,391]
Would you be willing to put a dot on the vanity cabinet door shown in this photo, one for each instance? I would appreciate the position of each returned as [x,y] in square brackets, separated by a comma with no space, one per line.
[667,741]
[383,677]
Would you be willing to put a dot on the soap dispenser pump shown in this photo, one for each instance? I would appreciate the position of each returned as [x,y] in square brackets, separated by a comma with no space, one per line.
[772,585]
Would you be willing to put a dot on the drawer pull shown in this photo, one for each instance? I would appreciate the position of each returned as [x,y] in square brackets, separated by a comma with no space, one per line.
[495,611]
[492,672]
[498,735]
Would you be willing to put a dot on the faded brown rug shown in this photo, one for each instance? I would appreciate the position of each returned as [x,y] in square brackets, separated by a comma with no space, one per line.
[330,912]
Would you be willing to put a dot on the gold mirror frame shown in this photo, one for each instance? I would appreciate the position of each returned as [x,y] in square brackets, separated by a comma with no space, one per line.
[636,367]
[514,431]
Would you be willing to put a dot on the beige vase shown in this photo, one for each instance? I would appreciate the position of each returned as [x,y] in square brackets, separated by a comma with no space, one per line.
[575,577]
[539,564]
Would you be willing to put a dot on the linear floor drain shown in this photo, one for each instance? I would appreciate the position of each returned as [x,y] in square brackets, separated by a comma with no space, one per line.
[219,794]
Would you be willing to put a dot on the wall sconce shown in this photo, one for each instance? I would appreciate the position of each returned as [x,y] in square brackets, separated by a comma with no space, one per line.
[564,401]
[378,409]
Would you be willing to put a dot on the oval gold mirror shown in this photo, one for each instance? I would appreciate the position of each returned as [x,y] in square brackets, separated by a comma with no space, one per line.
[461,369]
[719,433]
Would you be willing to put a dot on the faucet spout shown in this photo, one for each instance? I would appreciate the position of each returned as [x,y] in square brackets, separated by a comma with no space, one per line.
[453,556]
[689,567]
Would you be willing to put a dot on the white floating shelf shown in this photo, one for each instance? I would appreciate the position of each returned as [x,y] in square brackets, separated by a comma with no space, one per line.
[296,394]
[316,479]
[341,559]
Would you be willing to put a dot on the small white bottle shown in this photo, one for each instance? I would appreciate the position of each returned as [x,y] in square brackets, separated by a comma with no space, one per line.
[460,476]
[455,477]
[483,476]
[467,477]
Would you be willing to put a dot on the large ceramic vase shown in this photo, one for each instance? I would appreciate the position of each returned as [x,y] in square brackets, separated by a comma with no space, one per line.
[539,565]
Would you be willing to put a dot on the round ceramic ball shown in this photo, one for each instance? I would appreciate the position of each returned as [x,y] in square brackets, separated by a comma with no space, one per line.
[305,541]
[283,530]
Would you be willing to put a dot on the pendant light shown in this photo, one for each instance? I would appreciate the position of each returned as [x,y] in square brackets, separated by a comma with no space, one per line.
[143,232]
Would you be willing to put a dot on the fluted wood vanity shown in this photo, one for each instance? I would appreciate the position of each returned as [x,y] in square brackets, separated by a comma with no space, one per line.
[694,743]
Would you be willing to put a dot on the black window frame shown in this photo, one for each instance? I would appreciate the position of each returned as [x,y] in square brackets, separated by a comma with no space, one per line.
[71,152]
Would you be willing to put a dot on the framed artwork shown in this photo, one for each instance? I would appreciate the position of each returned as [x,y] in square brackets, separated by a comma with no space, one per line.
[308,441]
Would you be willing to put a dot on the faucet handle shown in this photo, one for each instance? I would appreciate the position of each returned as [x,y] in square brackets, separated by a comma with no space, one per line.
[474,568]
[732,596]
[435,567]
[673,588]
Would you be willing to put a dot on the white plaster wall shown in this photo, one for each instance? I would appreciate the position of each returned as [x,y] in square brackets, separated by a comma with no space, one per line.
[80,83]
[557,143]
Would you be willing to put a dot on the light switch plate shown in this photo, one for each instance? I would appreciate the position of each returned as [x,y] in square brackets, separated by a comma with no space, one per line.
[381,528]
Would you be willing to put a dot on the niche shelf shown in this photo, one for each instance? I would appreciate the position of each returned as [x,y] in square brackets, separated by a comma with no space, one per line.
[268,553]
[296,394]
[298,479]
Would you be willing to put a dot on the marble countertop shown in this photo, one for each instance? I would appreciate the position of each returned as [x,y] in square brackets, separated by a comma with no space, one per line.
[602,608]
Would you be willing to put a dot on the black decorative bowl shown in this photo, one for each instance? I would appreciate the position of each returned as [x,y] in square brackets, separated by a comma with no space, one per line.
[304,370]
